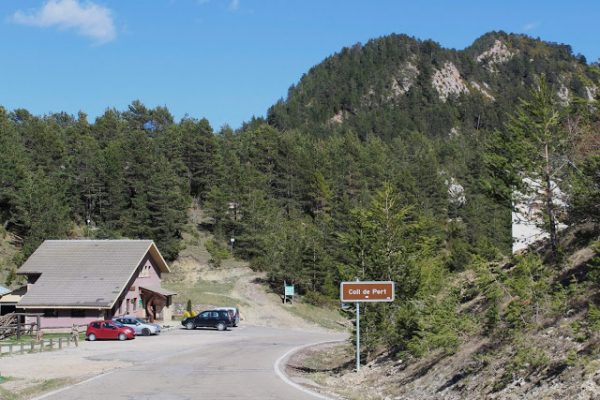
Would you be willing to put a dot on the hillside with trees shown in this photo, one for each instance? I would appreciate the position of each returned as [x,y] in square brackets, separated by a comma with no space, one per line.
[392,160]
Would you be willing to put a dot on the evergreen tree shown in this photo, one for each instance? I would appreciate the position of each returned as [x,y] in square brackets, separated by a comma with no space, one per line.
[534,145]
[40,210]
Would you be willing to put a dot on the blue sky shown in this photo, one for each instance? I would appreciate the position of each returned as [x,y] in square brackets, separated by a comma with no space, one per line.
[227,60]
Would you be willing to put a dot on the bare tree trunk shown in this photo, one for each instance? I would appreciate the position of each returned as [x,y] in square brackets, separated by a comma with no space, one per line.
[550,205]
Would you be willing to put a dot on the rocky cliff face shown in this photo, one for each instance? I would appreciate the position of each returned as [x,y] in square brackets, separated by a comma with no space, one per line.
[499,53]
[448,82]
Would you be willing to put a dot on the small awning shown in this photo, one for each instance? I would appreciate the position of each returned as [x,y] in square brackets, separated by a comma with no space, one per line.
[158,290]
[13,296]
[10,298]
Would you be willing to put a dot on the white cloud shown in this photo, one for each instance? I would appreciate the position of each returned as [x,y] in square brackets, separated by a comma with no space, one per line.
[530,26]
[234,5]
[88,19]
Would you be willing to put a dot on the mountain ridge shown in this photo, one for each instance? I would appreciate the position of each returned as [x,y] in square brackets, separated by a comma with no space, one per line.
[396,75]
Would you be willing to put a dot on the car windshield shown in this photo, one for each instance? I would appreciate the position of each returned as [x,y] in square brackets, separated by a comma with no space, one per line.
[141,321]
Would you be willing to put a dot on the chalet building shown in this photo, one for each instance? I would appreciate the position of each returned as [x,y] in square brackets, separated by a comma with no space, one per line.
[77,281]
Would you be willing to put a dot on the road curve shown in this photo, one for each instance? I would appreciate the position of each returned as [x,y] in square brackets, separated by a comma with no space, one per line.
[237,364]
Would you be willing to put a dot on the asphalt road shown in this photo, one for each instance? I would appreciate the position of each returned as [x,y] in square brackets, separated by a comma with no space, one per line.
[236,364]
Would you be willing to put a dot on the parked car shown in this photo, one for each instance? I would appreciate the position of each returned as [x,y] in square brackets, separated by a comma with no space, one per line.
[106,329]
[234,314]
[139,326]
[209,319]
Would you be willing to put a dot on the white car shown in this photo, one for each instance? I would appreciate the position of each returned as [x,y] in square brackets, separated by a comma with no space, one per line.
[140,326]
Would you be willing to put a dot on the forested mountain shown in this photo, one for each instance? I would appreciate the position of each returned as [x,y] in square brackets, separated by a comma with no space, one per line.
[397,84]
[427,148]
[394,160]
[436,109]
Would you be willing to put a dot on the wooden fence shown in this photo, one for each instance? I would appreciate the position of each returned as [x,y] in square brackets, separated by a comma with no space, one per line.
[36,346]
[13,325]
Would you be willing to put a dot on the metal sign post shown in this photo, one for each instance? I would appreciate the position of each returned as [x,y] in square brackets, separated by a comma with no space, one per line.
[365,292]
[357,337]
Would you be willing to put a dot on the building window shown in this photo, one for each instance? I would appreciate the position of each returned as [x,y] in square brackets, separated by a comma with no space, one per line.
[145,272]
[134,302]
[77,313]
[50,313]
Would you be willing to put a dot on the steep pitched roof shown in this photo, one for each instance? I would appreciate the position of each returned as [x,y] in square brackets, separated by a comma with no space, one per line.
[84,273]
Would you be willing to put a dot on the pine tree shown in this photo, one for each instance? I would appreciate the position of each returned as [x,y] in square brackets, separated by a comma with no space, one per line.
[40,210]
[536,146]
[388,241]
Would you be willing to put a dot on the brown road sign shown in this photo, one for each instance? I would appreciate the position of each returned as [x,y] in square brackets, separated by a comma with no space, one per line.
[352,292]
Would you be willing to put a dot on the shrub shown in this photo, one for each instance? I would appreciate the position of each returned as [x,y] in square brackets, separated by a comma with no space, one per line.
[593,318]
[318,299]
[217,252]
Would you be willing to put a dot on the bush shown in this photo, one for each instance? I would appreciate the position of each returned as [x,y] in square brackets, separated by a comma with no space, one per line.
[594,273]
[217,252]
[11,277]
[593,318]
[318,299]
[527,357]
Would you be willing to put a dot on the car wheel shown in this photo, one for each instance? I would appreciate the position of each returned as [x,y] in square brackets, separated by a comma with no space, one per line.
[189,326]
[146,332]
[221,326]
[122,336]
[91,337]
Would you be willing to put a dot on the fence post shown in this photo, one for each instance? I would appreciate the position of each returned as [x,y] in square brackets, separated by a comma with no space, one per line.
[51,344]
[59,343]
[32,345]
[22,347]
[10,346]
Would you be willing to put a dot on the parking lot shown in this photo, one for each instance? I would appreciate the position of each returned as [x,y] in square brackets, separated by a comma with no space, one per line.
[177,364]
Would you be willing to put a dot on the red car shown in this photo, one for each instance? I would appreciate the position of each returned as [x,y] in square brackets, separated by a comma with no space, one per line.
[108,330]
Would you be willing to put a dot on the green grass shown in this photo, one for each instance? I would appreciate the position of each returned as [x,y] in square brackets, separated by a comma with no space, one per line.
[205,292]
[326,317]
[31,338]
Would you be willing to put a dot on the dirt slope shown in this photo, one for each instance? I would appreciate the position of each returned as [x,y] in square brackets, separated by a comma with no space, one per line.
[559,358]
[234,283]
